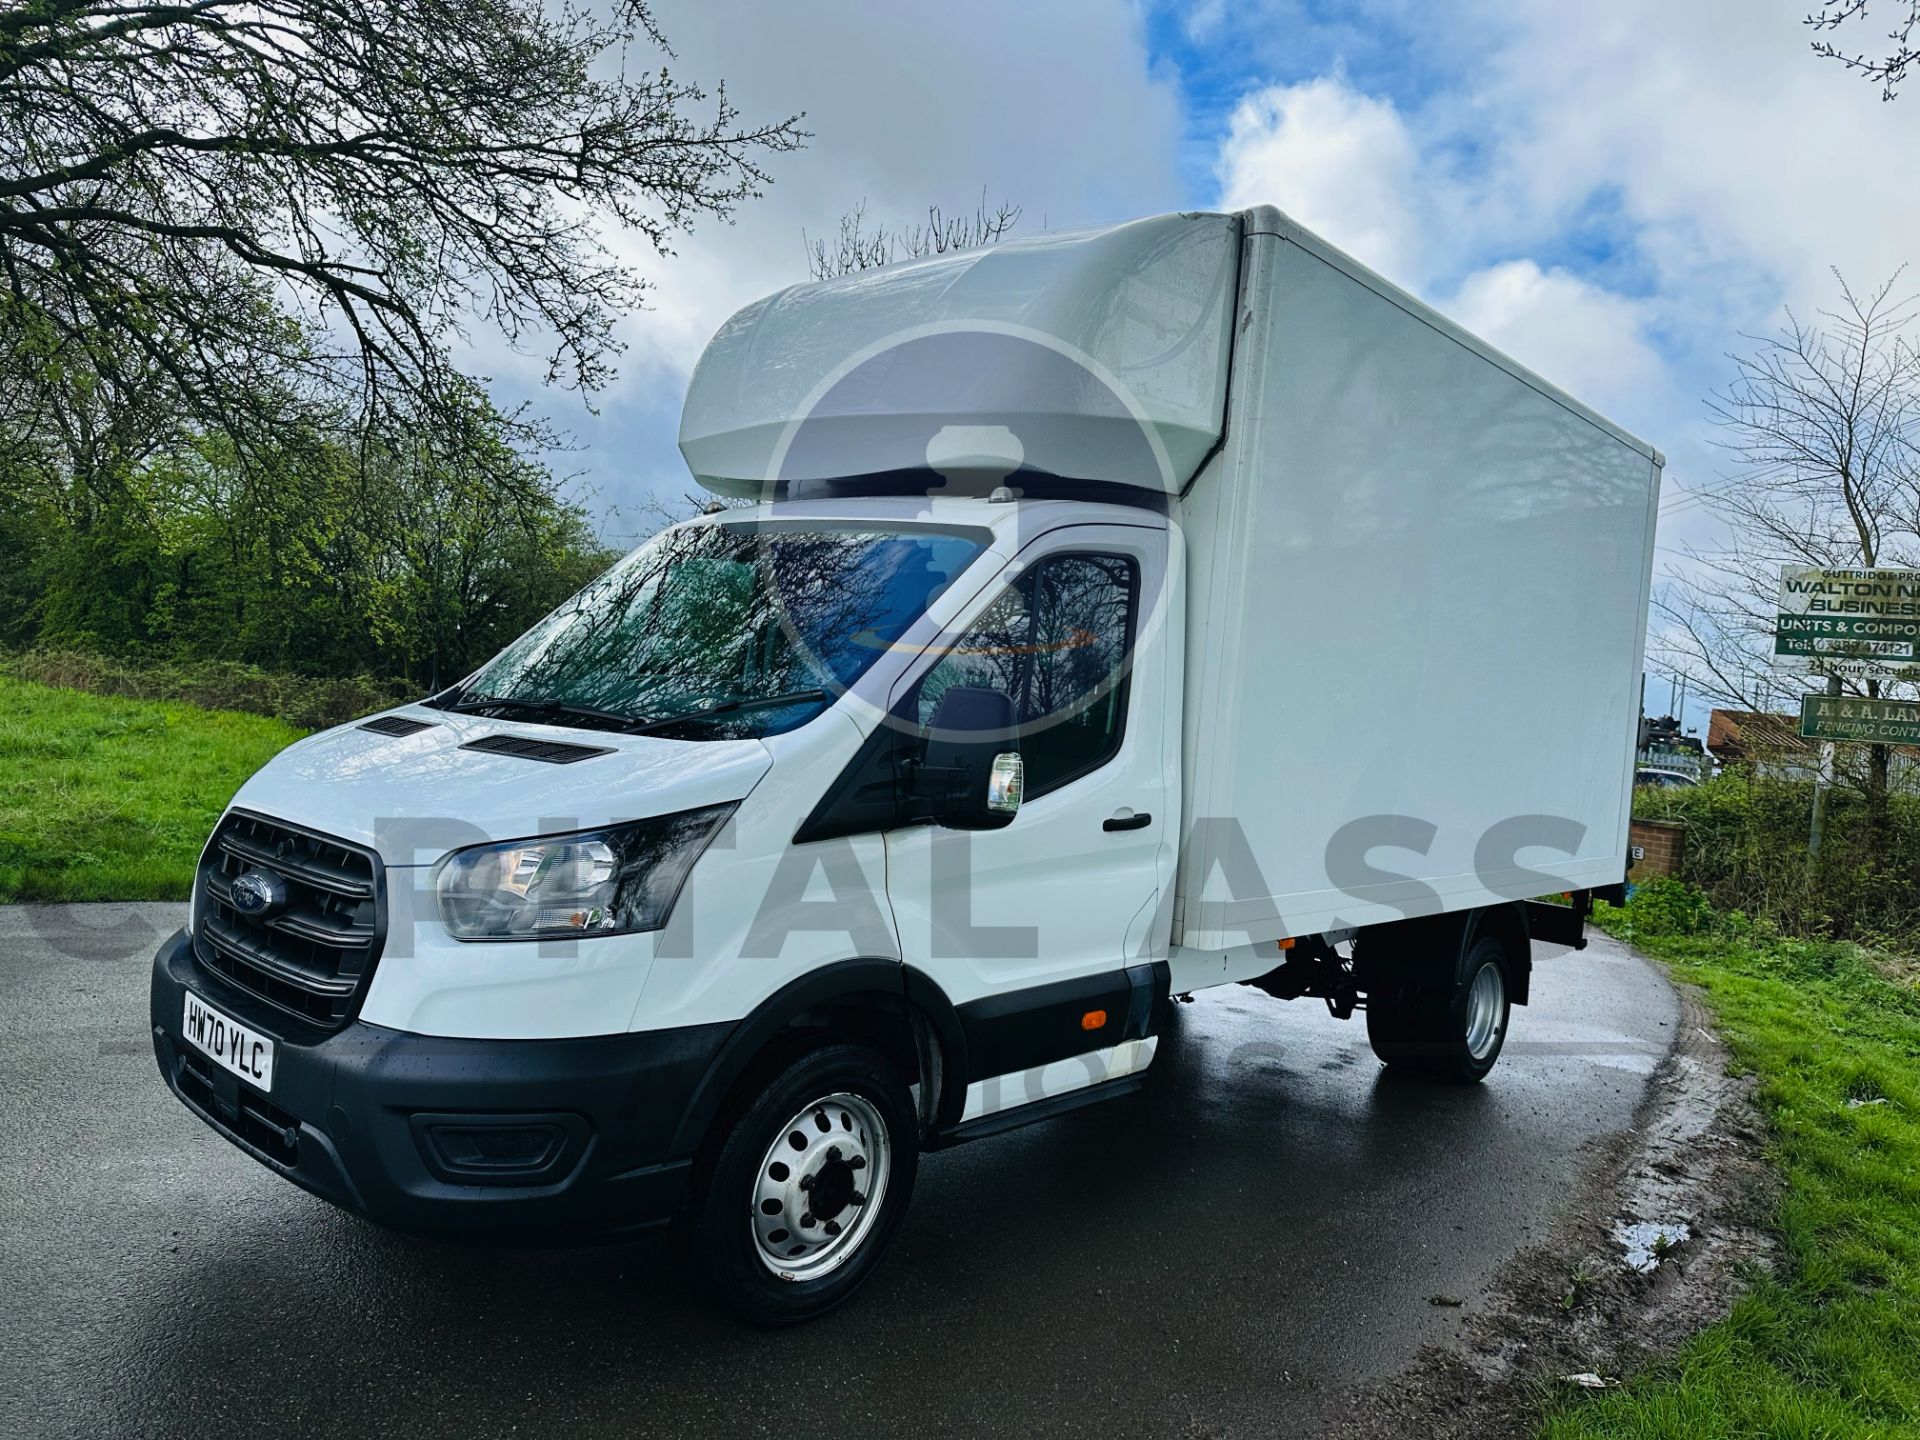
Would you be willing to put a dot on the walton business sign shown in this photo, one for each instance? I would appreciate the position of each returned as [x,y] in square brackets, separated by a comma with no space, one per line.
[1860,624]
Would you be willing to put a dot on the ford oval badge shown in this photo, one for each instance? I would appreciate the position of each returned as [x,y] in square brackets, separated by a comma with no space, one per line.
[256,894]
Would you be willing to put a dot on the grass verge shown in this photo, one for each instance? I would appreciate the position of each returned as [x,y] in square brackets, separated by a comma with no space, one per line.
[104,798]
[1829,1347]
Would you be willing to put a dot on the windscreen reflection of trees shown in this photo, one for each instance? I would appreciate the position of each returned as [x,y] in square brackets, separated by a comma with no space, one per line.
[704,616]
[1055,641]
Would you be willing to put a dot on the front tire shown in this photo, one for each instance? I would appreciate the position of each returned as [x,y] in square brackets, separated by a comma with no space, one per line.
[809,1185]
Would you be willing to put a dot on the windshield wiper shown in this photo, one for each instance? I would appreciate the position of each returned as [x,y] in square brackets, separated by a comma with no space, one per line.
[730,707]
[550,707]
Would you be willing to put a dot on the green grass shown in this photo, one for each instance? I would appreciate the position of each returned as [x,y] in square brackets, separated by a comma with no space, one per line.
[103,798]
[1830,1346]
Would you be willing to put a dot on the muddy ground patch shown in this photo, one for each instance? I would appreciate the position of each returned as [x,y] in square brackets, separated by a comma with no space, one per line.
[1671,1216]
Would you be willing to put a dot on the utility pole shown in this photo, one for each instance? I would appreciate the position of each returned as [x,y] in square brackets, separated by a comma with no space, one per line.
[1821,783]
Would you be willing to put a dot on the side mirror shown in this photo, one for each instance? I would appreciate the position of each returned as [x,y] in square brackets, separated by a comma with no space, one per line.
[971,777]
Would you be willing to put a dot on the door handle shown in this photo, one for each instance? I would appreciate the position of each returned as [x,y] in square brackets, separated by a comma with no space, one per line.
[1127,822]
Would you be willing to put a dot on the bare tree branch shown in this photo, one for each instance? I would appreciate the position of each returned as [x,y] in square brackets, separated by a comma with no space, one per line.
[1887,70]
[180,181]
[859,248]
[1821,427]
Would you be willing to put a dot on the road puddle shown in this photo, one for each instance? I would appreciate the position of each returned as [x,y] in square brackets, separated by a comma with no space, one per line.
[1648,1242]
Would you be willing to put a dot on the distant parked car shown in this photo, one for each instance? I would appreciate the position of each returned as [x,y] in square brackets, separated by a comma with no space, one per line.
[1669,778]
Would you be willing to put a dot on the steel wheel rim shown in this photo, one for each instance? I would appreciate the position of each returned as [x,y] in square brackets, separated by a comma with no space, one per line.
[1485,1001]
[835,1156]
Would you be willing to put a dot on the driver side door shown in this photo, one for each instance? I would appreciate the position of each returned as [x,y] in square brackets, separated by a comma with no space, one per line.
[1029,928]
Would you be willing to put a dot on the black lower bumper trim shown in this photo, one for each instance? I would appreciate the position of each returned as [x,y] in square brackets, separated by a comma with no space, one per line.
[523,1141]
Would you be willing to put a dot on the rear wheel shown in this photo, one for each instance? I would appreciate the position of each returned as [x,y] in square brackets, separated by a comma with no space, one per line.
[1475,1028]
[809,1185]
[1397,1024]
[1455,1032]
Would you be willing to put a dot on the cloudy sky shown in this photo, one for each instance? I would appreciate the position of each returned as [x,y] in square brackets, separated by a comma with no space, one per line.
[1609,192]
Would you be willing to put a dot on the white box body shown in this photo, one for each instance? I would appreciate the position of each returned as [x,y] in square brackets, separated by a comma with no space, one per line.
[1417,587]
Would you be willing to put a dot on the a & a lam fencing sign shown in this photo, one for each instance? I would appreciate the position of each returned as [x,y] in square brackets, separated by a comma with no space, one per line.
[1862,624]
[1846,717]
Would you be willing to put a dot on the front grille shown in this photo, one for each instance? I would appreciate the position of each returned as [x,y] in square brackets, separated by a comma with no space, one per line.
[313,955]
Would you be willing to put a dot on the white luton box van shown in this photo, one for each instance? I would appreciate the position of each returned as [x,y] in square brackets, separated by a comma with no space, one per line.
[1079,622]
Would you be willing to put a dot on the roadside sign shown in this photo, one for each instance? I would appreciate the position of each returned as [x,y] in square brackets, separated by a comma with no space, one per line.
[1862,624]
[1846,717]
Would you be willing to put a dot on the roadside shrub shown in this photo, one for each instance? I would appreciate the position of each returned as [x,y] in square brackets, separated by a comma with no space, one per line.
[1668,907]
[1746,849]
[306,702]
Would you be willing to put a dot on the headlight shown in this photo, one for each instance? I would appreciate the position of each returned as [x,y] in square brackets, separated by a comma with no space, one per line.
[595,882]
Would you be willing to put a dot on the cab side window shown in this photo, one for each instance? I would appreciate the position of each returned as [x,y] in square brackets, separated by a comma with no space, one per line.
[1057,641]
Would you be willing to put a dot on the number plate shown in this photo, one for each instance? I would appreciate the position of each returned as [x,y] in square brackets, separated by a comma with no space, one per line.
[246,1053]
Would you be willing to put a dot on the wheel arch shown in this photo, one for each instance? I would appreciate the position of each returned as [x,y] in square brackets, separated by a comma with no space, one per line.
[1402,946]
[884,1003]
[1508,924]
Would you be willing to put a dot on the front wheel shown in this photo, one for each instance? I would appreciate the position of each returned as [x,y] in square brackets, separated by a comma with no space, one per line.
[809,1185]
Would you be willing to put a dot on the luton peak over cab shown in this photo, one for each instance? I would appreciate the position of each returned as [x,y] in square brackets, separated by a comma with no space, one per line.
[1081,622]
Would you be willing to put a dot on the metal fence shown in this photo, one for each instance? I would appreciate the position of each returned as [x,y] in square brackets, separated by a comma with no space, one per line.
[1687,762]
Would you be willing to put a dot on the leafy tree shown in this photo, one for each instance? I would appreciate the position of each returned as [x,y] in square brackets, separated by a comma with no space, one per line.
[331,554]
[237,241]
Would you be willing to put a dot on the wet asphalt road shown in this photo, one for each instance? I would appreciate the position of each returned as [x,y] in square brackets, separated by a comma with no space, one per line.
[1225,1254]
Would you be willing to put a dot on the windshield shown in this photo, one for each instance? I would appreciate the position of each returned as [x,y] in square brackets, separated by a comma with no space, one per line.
[725,630]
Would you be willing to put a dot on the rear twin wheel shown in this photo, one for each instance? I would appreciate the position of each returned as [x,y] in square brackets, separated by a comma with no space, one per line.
[1455,1032]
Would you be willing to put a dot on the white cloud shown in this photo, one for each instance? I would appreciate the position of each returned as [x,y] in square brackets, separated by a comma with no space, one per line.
[1726,141]
[1348,166]
[1201,22]
[1050,107]
[1587,340]
[1055,108]
[1341,163]
[1715,164]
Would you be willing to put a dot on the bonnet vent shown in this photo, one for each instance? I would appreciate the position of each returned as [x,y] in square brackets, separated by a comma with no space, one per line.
[397,725]
[550,752]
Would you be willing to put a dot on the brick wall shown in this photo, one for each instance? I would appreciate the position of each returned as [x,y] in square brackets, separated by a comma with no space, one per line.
[1661,844]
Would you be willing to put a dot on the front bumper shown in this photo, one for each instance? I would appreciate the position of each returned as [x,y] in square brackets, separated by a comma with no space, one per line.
[410,1130]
